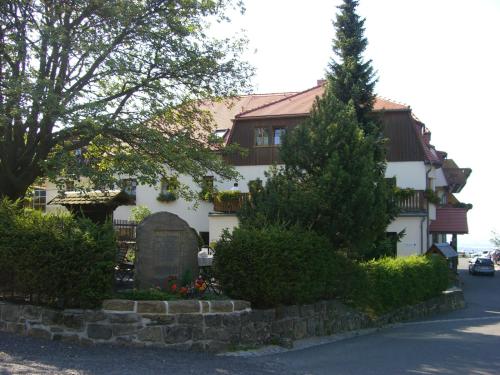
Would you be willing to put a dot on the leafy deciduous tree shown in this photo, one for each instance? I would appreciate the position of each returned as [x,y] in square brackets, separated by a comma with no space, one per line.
[87,77]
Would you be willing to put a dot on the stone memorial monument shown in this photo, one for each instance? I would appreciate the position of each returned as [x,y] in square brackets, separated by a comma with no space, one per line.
[166,246]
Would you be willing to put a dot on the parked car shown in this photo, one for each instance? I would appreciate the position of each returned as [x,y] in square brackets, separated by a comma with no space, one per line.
[481,266]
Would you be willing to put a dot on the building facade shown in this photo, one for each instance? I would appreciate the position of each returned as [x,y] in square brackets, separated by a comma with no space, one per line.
[258,123]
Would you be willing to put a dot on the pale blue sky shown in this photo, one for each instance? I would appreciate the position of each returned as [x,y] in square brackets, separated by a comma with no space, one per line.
[441,57]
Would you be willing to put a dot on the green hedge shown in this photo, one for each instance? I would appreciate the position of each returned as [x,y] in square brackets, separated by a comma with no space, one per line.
[389,283]
[275,266]
[56,260]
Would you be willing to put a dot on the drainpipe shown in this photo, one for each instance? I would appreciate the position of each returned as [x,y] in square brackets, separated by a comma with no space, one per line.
[426,236]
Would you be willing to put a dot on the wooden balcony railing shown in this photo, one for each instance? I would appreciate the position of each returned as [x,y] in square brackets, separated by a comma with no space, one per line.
[232,205]
[414,203]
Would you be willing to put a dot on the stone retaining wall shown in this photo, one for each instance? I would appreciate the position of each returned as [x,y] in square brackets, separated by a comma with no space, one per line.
[203,325]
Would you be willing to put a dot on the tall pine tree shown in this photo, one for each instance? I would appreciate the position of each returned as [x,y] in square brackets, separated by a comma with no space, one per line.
[352,78]
[335,160]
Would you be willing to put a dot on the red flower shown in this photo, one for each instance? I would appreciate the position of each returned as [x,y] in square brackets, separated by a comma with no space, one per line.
[183,290]
[173,287]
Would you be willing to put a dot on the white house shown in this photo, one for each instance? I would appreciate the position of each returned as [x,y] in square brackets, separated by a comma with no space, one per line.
[257,123]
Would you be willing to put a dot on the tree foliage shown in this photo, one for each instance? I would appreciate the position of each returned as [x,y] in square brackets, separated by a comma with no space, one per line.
[352,78]
[334,176]
[104,88]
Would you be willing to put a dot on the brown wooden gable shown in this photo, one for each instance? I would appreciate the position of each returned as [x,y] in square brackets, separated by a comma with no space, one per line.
[403,143]
[399,128]
[243,134]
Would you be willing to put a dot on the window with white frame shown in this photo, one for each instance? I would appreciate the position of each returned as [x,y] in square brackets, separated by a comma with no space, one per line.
[262,137]
[39,199]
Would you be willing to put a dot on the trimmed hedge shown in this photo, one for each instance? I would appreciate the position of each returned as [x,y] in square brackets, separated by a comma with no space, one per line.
[56,260]
[389,283]
[274,266]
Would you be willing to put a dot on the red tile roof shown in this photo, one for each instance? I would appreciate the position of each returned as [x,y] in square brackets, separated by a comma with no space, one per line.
[450,220]
[300,104]
[225,111]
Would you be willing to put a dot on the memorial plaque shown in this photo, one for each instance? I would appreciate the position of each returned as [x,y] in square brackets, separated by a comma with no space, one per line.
[166,246]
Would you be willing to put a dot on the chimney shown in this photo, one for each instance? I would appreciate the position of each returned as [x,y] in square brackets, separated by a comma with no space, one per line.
[320,82]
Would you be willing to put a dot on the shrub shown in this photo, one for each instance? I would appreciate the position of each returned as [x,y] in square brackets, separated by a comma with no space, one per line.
[56,260]
[272,266]
[389,283]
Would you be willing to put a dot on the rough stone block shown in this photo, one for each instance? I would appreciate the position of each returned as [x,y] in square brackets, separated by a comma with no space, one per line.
[205,307]
[40,333]
[262,315]
[124,329]
[183,307]
[151,307]
[150,334]
[231,320]
[124,318]
[299,329]
[312,324]
[283,312]
[73,321]
[124,340]
[214,346]
[190,319]
[198,333]
[155,320]
[52,317]
[240,305]
[218,334]
[177,334]
[221,306]
[93,316]
[306,310]
[213,320]
[32,312]
[10,313]
[99,331]
[118,305]
[283,327]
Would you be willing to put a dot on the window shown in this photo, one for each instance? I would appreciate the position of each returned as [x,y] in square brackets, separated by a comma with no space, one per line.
[129,186]
[169,185]
[207,189]
[39,199]
[261,137]
[278,135]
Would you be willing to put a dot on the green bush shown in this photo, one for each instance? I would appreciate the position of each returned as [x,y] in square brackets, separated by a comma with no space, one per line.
[389,283]
[55,259]
[275,266]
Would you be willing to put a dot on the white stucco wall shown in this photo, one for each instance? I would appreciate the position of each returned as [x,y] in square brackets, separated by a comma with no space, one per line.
[194,213]
[248,173]
[409,174]
[411,243]
[440,179]
[218,222]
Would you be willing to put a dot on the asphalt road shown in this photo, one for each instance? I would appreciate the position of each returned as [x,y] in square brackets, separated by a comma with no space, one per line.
[462,342]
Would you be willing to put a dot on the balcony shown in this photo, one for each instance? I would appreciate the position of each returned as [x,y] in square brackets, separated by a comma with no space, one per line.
[232,205]
[415,203]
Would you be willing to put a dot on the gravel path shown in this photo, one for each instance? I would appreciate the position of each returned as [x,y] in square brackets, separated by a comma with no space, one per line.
[27,355]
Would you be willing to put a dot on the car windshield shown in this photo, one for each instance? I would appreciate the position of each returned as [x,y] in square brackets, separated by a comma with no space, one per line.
[484,262]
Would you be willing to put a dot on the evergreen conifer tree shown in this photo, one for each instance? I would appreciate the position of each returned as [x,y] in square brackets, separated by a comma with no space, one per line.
[335,160]
[351,77]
